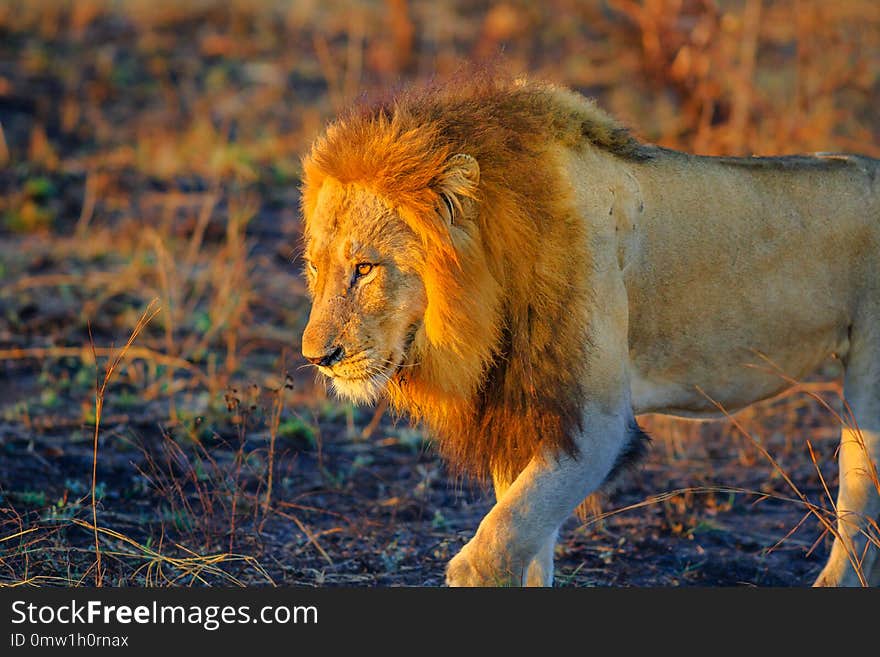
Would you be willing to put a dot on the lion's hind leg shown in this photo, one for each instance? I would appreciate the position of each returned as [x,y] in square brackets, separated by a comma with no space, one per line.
[874,576]
[854,554]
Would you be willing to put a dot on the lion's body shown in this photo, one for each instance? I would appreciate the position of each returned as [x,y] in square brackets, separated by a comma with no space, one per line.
[771,256]
[575,279]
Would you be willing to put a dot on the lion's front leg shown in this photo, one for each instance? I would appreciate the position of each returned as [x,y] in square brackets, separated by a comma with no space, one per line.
[539,571]
[513,545]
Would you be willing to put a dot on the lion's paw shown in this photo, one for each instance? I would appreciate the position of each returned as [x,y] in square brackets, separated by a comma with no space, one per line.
[468,568]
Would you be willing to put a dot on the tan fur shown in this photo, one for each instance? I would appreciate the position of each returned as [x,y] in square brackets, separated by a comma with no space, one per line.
[539,277]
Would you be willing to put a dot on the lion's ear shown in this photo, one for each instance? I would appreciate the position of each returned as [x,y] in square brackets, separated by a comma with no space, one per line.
[458,182]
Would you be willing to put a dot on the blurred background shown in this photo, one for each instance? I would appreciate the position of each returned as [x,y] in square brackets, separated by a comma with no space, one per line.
[156,424]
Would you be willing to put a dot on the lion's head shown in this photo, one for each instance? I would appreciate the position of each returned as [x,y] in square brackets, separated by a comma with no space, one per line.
[371,263]
[363,269]
[440,257]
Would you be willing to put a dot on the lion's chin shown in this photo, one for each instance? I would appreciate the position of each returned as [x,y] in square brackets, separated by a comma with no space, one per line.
[359,391]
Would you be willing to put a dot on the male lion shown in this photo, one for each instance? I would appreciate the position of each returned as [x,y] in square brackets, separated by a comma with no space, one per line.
[513,269]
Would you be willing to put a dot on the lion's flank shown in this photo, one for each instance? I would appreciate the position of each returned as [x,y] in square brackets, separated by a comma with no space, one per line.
[499,369]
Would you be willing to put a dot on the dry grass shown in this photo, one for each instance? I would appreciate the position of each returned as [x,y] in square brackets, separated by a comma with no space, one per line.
[151,150]
[100,391]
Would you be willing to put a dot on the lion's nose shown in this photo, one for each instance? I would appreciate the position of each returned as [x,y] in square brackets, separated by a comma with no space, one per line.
[333,356]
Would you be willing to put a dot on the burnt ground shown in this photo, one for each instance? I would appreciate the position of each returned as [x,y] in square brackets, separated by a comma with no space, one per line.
[155,155]
[381,511]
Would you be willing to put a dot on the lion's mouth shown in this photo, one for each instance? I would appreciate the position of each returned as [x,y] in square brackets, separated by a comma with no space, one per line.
[362,376]
[354,368]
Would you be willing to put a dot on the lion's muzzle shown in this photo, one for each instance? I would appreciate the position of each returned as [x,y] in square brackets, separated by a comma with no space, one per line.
[328,359]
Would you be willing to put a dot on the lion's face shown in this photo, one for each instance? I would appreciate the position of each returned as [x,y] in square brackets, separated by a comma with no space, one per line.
[368,299]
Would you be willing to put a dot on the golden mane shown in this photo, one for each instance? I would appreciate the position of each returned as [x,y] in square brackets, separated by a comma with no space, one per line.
[500,368]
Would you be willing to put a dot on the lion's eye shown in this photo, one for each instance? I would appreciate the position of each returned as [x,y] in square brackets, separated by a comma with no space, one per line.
[311,267]
[363,269]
